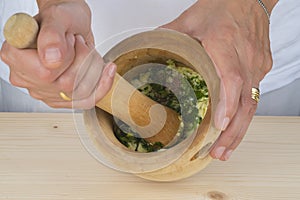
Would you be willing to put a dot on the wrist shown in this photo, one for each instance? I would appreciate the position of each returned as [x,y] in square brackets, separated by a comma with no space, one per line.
[265,7]
[43,3]
[270,4]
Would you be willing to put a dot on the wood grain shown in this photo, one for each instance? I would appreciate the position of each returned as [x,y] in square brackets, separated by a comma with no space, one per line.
[21,31]
[41,157]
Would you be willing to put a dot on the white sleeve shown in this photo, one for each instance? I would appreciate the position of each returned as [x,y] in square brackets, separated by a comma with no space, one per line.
[114,20]
[285,46]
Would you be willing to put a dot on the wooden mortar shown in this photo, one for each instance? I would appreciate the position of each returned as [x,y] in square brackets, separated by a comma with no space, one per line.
[158,46]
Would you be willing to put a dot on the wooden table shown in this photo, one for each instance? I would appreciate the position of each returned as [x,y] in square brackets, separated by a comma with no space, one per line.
[41,157]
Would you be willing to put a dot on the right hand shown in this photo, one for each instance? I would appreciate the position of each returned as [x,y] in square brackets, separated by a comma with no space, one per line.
[235,34]
[64,42]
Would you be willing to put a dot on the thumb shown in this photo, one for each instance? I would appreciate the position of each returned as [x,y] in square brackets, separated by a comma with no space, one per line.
[55,45]
[173,25]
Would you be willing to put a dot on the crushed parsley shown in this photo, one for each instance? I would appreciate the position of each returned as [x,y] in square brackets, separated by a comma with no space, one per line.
[195,104]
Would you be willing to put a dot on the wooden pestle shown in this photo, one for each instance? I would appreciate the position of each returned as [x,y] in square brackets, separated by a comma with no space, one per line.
[21,31]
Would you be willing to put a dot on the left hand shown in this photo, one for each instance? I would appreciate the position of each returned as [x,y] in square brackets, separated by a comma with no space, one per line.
[235,34]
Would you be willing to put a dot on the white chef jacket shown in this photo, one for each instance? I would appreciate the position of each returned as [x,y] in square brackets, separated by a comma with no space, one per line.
[111,18]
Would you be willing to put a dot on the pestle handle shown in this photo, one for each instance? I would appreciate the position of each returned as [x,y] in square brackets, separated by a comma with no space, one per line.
[21,31]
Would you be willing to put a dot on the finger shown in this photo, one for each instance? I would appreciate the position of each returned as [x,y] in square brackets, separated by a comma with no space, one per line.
[102,89]
[232,136]
[55,44]
[72,76]
[26,63]
[106,81]
[104,85]
[86,72]
[18,81]
[235,132]
[226,62]
[13,56]
[37,94]
[65,82]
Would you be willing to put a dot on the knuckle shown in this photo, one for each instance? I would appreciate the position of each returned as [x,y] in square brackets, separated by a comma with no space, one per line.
[237,79]
[237,141]
[48,31]
[66,84]
[268,62]
[247,102]
[229,136]
[234,77]
[15,81]
[46,75]
[87,103]
[252,109]
[52,104]
[84,91]
[186,20]
[35,95]
[4,57]
[265,67]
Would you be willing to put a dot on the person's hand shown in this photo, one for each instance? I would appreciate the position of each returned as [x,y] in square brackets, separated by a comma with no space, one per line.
[235,34]
[61,62]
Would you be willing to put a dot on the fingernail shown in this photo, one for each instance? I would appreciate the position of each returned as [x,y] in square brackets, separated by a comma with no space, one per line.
[52,55]
[112,70]
[228,154]
[219,152]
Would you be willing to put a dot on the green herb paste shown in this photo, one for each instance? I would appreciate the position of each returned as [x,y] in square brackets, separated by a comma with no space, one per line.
[196,105]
